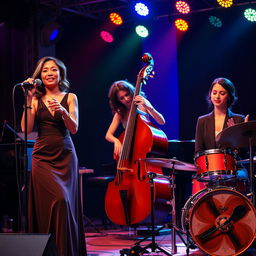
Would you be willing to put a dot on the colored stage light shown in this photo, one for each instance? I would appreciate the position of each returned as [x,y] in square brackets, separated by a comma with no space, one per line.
[250,14]
[141,31]
[54,34]
[215,21]
[116,18]
[182,7]
[106,36]
[225,3]
[50,33]
[141,9]
[181,24]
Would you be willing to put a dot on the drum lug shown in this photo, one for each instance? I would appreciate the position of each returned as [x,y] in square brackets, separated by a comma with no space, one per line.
[206,162]
[225,160]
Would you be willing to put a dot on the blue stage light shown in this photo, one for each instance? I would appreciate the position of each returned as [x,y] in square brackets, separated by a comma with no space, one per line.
[50,33]
[54,34]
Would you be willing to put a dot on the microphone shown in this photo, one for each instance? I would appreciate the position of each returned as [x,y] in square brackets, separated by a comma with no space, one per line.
[37,82]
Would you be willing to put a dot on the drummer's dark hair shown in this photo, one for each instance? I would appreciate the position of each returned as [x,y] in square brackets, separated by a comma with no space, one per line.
[227,85]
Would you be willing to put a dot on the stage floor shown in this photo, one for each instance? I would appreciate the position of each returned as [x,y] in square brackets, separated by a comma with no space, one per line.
[111,242]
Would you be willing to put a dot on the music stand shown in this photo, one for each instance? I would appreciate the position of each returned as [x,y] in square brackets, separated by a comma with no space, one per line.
[240,136]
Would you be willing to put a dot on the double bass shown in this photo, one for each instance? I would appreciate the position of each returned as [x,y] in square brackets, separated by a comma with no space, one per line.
[127,199]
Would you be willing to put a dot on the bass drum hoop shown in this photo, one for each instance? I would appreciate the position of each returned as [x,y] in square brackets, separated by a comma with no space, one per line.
[190,223]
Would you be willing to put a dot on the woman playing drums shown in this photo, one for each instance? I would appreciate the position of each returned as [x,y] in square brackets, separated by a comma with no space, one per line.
[221,96]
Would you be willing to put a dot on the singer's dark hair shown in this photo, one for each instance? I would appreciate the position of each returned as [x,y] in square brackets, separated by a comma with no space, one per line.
[63,83]
[115,105]
[227,85]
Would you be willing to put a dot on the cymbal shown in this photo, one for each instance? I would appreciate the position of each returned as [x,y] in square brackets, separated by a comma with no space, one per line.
[246,161]
[171,163]
[237,136]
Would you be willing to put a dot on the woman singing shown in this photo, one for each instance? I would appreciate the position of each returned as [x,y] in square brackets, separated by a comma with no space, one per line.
[54,205]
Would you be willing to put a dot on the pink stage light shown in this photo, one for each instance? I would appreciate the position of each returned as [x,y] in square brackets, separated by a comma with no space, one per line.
[106,36]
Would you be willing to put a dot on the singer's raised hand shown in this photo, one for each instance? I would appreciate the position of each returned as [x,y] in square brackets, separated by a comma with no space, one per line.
[32,89]
[55,106]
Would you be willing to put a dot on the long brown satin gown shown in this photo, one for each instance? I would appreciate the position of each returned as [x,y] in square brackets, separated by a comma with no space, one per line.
[54,205]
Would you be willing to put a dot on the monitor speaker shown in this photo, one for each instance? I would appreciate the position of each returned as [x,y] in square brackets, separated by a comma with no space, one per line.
[17,244]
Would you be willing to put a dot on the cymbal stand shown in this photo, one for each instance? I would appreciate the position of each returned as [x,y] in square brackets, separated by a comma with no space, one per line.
[252,192]
[174,229]
[136,249]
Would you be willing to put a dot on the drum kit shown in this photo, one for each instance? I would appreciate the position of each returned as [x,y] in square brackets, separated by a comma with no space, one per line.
[219,219]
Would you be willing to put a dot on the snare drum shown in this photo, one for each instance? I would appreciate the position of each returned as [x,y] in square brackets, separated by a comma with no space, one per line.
[206,217]
[215,164]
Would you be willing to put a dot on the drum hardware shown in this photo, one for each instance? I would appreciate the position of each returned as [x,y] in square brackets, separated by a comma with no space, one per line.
[174,164]
[246,161]
[173,225]
[220,220]
[225,161]
[169,163]
[238,212]
[239,136]
[206,162]
[137,249]
[213,164]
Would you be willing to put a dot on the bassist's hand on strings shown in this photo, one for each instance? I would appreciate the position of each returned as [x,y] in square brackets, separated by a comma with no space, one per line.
[145,105]
[117,148]
[140,100]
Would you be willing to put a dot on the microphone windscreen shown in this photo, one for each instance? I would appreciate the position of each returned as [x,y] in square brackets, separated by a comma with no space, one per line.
[38,82]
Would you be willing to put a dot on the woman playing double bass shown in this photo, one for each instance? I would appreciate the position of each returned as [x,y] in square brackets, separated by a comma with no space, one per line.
[129,198]
[120,101]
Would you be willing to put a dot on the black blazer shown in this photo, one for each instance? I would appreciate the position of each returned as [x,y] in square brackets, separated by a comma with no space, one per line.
[205,130]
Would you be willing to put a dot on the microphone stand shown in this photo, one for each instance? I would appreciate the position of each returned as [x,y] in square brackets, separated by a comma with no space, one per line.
[24,220]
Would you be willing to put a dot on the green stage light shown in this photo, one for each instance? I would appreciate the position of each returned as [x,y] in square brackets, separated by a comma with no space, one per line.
[215,21]
[141,31]
[250,14]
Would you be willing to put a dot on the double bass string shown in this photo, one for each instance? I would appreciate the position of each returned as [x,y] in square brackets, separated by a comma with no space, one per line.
[125,154]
